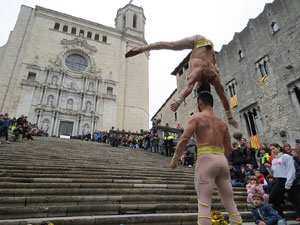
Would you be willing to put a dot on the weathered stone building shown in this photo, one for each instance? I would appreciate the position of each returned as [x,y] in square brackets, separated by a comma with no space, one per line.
[260,70]
[70,75]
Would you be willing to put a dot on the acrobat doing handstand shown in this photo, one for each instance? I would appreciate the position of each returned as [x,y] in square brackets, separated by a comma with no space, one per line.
[202,63]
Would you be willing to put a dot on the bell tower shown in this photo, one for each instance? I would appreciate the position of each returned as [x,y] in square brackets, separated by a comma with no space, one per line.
[131,20]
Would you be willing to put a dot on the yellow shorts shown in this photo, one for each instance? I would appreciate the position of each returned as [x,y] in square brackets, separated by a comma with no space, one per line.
[209,150]
[202,43]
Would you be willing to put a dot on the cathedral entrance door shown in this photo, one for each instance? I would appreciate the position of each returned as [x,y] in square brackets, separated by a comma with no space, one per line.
[66,128]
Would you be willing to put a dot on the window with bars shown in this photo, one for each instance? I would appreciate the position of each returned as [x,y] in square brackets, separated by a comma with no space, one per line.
[231,88]
[262,66]
[252,122]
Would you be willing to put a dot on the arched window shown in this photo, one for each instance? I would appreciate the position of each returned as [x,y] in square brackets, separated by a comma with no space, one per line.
[50,100]
[252,122]
[70,103]
[124,21]
[134,21]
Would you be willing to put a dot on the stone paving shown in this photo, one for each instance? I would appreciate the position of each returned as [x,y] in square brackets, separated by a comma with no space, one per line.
[70,182]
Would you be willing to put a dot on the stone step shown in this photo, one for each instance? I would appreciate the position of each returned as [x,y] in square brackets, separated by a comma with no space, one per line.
[104,209]
[95,180]
[99,191]
[93,200]
[135,219]
[82,183]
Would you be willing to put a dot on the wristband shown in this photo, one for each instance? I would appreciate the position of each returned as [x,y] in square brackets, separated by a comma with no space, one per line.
[228,114]
[179,100]
[175,155]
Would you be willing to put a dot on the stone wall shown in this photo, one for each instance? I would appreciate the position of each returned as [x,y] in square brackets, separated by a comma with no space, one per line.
[267,47]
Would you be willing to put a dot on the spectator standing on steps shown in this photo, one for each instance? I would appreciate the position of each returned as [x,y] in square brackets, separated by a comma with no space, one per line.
[283,170]
[7,124]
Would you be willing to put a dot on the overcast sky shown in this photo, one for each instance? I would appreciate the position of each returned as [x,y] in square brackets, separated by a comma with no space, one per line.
[166,20]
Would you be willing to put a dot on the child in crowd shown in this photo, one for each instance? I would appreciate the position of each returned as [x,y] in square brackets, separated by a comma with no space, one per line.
[270,183]
[29,135]
[264,158]
[264,214]
[254,187]
[260,177]
[237,177]
[249,171]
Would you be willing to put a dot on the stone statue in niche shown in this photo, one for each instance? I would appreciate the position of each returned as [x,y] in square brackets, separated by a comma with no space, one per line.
[72,85]
[88,106]
[50,100]
[86,130]
[54,80]
[70,104]
[45,125]
[91,86]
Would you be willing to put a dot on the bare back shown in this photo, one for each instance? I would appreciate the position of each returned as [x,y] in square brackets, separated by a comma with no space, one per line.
[211,130]
[202,61]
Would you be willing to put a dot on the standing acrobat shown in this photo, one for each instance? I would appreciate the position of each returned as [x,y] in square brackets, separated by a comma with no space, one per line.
[203,68]
[212,135]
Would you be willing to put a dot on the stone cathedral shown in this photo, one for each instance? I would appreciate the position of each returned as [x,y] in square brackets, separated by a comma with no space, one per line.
[70,76]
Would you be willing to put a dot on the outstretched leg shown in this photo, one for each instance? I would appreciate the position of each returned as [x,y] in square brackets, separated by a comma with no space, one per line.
[186,43]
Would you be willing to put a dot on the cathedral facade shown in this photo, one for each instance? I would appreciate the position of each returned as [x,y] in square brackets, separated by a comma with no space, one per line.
[70,75]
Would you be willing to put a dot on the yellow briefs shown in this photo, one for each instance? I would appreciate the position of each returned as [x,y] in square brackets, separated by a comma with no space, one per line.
[209,150]
[202,43]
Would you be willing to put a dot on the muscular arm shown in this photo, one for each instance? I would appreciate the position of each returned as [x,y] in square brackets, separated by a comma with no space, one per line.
[227,143]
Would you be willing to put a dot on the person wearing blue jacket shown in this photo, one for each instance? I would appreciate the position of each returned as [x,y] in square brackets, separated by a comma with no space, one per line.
[264,214]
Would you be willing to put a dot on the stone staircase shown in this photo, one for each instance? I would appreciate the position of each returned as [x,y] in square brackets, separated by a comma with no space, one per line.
[71,182]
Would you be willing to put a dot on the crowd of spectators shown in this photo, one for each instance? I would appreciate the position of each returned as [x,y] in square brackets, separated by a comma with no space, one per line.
[18,128]
[271,173]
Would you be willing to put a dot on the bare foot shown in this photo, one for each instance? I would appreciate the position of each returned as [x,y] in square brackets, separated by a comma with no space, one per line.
[174,106]
[133,52]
